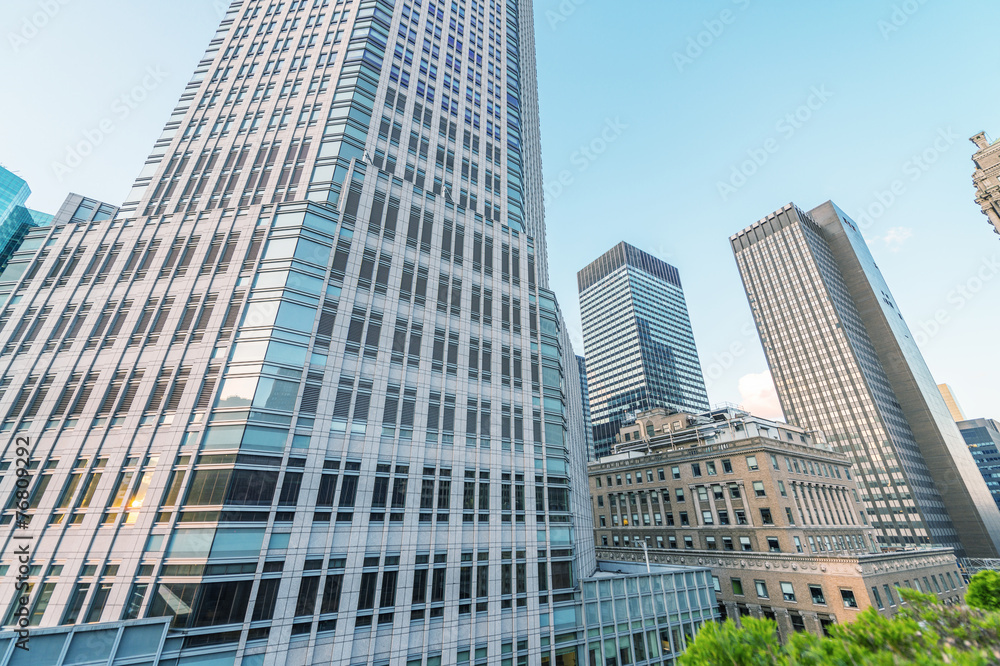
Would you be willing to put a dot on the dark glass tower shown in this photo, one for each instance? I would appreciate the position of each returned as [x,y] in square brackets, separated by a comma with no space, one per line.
[640,348]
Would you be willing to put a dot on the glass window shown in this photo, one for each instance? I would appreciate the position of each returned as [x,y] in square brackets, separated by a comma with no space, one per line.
[737,584]
[816,592]
[787,592]
[849,600]
[752,463]
[761,589]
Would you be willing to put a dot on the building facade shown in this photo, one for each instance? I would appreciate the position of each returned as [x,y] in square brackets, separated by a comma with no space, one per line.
[986,177]
[774,512]
[581,363]
[983,439]
[15,218]
[952,403]
[845,363]
[640,348]
[307,395]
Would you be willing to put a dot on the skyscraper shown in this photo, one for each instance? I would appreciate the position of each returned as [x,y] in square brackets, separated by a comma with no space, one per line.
[986,177]
[983,439]
[949,400]
[15,218]
[845,363]
[581,364]
[640,349]
[307,398]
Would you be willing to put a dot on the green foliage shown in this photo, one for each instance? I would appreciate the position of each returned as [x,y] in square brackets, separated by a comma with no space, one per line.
[923,633]
[984,591]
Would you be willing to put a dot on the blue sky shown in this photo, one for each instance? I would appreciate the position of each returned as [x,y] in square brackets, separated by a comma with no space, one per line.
[653,112]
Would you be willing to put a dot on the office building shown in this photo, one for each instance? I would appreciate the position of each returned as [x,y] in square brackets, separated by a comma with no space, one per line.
[15,218]
[306,397]
[581,364]
[640,348]
[949,400]
[768,506]
[845,363]
[983,439]
[986,177]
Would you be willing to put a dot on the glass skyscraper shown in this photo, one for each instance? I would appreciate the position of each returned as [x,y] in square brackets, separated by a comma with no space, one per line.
[845,363]
[983,439]
[640,348]
[307,398]
[15,219]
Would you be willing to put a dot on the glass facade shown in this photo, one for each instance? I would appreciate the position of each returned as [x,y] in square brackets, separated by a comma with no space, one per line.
[15,219]
[581,363]
[983,438]
[307,395]
[640,348]
[844,363]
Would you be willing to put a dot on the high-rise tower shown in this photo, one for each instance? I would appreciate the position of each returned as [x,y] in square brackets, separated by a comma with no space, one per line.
[640,349]
[307,396]
[845,363]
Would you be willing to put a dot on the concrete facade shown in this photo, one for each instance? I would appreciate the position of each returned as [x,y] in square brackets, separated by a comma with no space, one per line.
[986,177]
[758,502]
[844,362]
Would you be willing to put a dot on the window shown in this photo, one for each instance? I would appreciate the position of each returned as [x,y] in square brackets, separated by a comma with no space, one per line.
[849,600]
[774,461]
[888,595]
[816,592]
[737,584]
[703,493]
[679,492]
[761,589]
[716,585]
[758,489]
[877,598]
[727,466]
[710,543]
[741,517]
[688,542]
[772,545]
[706,518]
[798,544]
[710,468]
[781,489]
[684,518]
[727,543]
[765,516]
[676,471]
[789,516]
[745,543]
[661,475]
[787,592]
[752,463]
[696,469]
[723,517]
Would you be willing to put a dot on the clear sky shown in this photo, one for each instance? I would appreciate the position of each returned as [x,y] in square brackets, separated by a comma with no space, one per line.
[667,124]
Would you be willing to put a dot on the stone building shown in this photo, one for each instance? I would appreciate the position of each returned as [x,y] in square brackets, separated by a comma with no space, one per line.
[768,506]
[987,177]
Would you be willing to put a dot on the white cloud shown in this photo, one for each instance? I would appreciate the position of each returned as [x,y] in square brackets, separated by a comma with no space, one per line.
[896,236]
[757,396]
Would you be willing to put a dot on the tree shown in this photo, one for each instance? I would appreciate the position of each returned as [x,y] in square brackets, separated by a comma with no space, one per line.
[923,633]
[984,591]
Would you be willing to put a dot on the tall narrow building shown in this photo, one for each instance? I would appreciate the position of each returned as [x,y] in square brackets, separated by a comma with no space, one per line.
[15,218]
[986,177]
[951,402]
[983,439]
[640,348]
[845,363]
[307,399]
[581,364]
